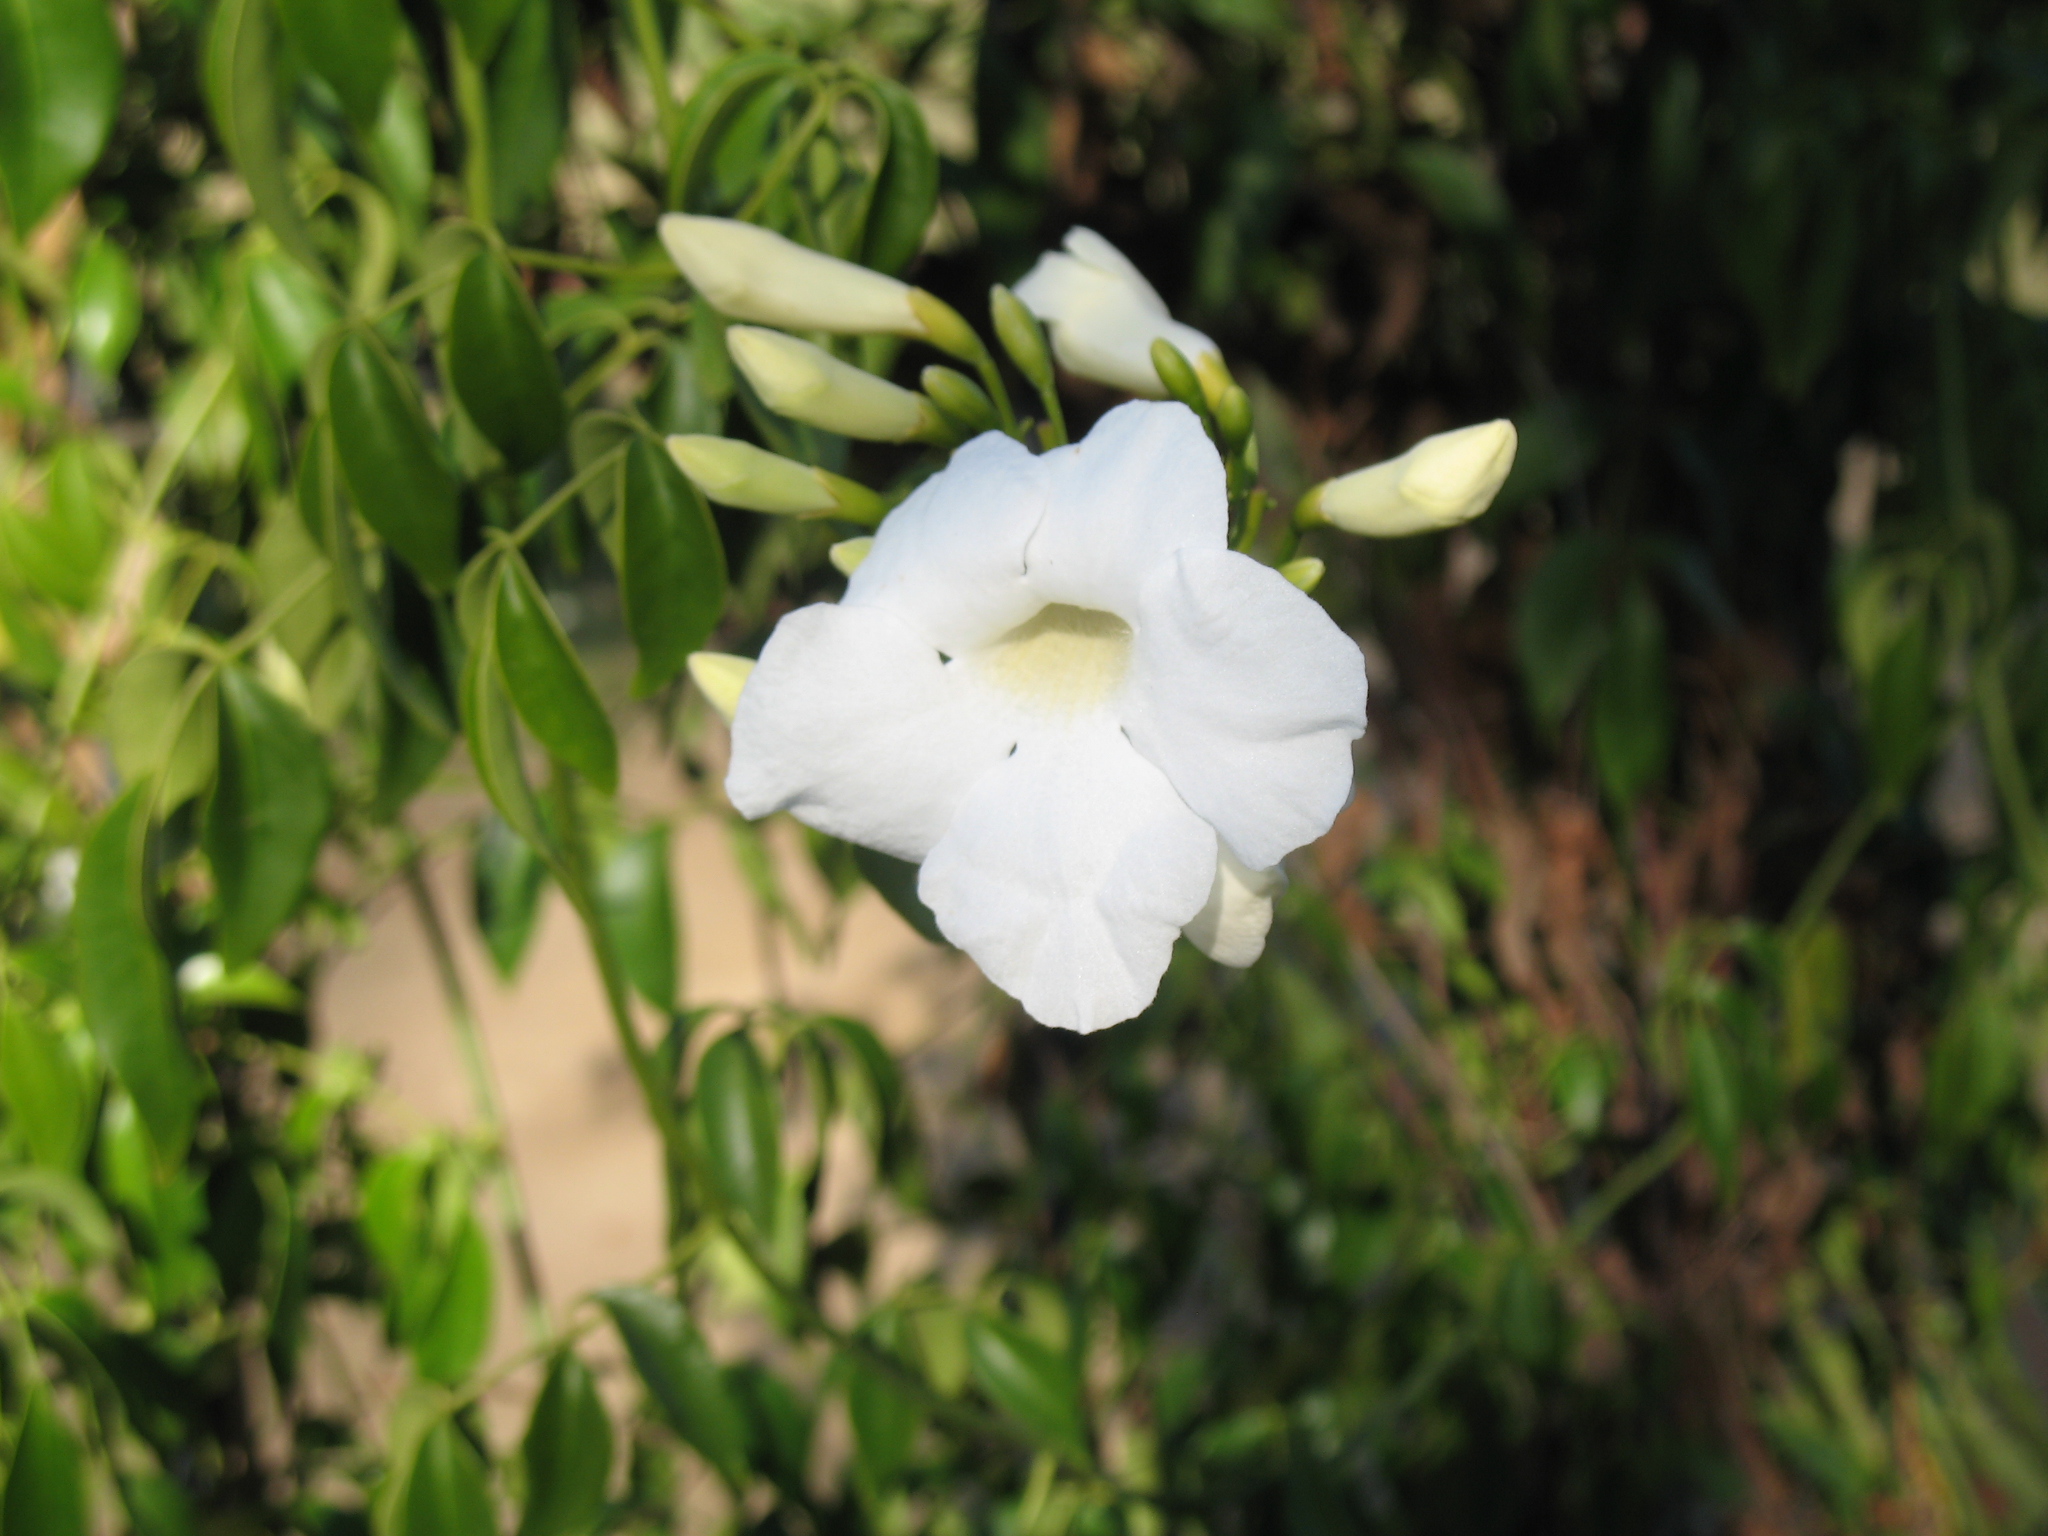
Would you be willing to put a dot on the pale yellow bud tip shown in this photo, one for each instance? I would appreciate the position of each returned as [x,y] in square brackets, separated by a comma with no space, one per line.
[720,678]
[1306,573]
[1442,481]
[847,554]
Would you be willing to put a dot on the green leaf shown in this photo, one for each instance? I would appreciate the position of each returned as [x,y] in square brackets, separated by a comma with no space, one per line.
[895,881]
[483,23]
[1630,722]
[1902,704]
[60,81]
[451,1341]
[68,1200]
[157,1506]
[672,576]
[681,1376]
[506,880]
[739,1115]
[1458,187]
[446,1493]
[1031,1383]
[568,1453]
[637,906]
[46,1089]
[288,314]
[106,307]
[528,85]
[390,459]
[123,983]
[271,806]
[241,92]
[886,1418]
[906,186]
[351,44]
[718,98]
[493,739]
[779,1424]
[1561,628]
[1715,1095]
[61,551]
[546,681]
[46,1483]
[500,366]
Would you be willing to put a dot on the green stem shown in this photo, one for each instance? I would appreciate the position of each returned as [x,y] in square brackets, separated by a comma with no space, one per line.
[622,352]
[473,108]
[1645,1169]
[413,292]
[483,1090]
[590,266]
[1834,863]
[786,157]
[547,509]
[653,53]
[2009,769]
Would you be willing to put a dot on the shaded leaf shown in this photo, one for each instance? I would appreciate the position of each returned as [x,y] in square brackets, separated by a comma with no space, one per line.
[1561,627]
[1029,1382]
[351,44]
[672,574]
[46,1482]
[493,739]
[719,97]
[740,1117]
[500,366]
[446,1494]
[483,23]
[886,1418]
[636,903]
[241,92]
[568,1452]
[906,187]
[546,681]
[681,1376]
[106,307]
[268,816]
[451,1340]
[506,878]
[895,881]
[1714,1092]
[528,84]
[45,1088]
[390,460]
[1630,721]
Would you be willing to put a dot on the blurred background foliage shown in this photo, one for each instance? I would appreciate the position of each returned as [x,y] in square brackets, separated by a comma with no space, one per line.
[1636,1122]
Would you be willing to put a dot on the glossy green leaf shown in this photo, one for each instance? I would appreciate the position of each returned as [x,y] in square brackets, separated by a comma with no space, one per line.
[351,44]
[673,575]
[886,1418]
[681,1377]
[270,810]
[718,98]
[288,314]
[67,1200]
[740,1117]
[45,1088]
[124,984]
[493,739]
[1630,720]
[568,1453]
[779,1424]
[528,88]
[137,715]
[446,1493]
[1714,1091]
[1456,184]
[61,550]
[500,366]
[106,307]
[46,1491]
[1029,1382]
[483,23]
[158,1506]
[906,187]
[637,906]
[60,81]
[546,681]
[507,878]
[241,93]
[451,1341]
[390,460]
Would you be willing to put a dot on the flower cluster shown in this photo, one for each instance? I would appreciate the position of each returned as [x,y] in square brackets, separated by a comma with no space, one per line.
[1051,683]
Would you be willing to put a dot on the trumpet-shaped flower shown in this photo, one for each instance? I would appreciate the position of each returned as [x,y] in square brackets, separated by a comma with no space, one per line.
[1052,685]
[1104,316]
[751,273]
[1442,481]
[804,382]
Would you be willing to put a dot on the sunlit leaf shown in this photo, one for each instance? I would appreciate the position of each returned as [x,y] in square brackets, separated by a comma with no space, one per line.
[46,1490]
[740,1117]
[681,1376]
[446,1493]
[60,80]
[637,907]
[568,1453]
[106,307]
[500,366]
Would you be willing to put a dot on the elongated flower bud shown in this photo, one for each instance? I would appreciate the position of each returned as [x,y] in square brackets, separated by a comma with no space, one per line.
[1440,482]
[751,273]
[958,397]
[1104,316]
[720,678]
[806,383]
[740,475]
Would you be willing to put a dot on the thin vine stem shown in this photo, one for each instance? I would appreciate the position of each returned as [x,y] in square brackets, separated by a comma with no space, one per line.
[578,482]
[1841,852]
[785,160]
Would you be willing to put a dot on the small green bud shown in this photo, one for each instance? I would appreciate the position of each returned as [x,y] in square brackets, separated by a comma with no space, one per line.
[1234,417]
[1022,337]
[1178,375]
[943,327]
[1305,573]
[959,399]
[847,554]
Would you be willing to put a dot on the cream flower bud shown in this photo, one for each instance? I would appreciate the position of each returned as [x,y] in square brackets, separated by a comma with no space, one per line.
[751,273]
[1442,481]
[806,383]
[1306,573]
[1104,316]
[1231,928]
[720,678]
[735,474]
[847,554]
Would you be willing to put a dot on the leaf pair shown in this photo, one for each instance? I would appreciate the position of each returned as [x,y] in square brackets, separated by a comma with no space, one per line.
[418,1222]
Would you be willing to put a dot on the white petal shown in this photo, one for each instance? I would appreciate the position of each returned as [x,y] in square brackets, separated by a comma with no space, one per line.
[1144,484]
[1232,926]
[1089,247]
[1104,318]
[1249,697]
[950,560]
[1067,873]
[852,723]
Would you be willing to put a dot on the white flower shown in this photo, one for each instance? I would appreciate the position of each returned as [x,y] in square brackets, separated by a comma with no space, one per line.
[751,273]
[1053,685]
[806,383]
[1104,316]
[1231,928]
[1442,481]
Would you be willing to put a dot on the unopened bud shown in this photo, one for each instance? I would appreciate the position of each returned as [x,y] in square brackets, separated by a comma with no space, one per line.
[959,398]
[804,382]
[720,678]
[847,554]
[1306,573]
[1215,377]
[941,325]
[751,273]
[1022,337]
[1177,374]
[735,474]
[1442,481]
[1233,409]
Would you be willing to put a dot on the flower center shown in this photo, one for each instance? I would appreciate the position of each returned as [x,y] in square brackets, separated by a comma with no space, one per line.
[1062,659]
